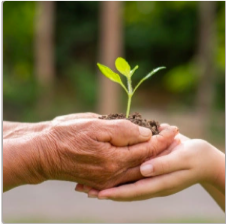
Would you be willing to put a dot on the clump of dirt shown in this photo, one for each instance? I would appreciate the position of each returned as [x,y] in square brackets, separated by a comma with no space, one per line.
[136,118]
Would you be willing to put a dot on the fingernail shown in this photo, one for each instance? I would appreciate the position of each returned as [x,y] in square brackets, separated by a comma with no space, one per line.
[146,169]
[176,129]
[144,131]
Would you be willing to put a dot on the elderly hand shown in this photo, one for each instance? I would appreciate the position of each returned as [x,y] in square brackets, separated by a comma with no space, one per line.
[90,151]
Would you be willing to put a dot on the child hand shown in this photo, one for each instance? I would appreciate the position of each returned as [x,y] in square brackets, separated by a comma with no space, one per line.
[184,163]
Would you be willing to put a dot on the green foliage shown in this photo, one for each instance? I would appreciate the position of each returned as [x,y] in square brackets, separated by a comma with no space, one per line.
[124,68]
[81,86]
[182,78]
[110,74]
[154,32]
[148,76]
[18,33]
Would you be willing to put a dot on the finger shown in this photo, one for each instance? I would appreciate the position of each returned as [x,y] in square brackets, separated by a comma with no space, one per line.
[127,192]
[168,150]
[182,137]
[83,188]
[121,132]
[163,126]
[163,140]
[87,188]
[163,165]
[130,175]
[150,187]
[79,187]
[93,193]
[157,144]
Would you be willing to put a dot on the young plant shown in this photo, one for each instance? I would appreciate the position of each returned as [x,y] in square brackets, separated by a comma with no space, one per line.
[124,68]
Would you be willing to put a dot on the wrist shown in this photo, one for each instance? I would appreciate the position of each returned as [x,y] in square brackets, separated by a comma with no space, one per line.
[216,166]
[218,179]
[17,129]
[20,162]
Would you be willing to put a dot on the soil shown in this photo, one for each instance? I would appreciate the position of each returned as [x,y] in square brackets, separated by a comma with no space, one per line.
[136,118]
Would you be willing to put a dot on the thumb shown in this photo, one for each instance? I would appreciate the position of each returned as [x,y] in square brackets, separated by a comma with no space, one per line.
[155,146]
[163,165]
[121,132]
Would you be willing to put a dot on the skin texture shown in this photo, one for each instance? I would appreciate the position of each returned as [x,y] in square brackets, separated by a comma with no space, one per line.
[184,163]
[79,148]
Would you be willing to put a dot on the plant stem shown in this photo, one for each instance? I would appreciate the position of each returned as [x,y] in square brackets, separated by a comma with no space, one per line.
[128,105]
[130,94]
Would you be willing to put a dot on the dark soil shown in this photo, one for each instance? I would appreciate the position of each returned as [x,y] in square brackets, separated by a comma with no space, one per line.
[136,118]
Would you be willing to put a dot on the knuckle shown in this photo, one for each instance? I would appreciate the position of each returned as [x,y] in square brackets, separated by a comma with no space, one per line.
[91,115]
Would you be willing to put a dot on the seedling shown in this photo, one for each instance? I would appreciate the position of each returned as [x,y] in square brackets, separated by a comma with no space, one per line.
[124,68]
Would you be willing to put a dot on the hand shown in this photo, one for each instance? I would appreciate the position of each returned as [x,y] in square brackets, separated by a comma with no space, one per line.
[18,129]
[156,145]
[94,152]
[20,149]
[69,117]
[184,163]
[105,153]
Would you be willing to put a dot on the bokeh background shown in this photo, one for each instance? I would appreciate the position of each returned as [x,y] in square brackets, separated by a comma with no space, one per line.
[50,51]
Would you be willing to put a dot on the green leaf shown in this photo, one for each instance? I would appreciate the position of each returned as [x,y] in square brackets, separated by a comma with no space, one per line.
[122,66]
[134,69]
[148,76]
[111,75]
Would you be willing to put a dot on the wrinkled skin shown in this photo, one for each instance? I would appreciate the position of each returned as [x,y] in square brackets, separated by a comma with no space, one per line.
[83,149]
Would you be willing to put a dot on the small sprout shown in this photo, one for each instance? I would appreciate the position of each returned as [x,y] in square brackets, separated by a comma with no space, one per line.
[124,68]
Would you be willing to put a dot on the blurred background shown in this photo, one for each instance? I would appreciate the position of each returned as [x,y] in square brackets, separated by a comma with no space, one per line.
[50,51]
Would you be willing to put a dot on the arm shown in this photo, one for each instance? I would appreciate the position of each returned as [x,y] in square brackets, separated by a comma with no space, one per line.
[216,188]
[19,152]
[72,150]
[18,129]
[217,195]
[19,162]
[20,149]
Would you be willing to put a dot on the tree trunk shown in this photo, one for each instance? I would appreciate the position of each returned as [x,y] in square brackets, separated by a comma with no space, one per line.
[44,43]
[110,47]
[44,57]
[206,56]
